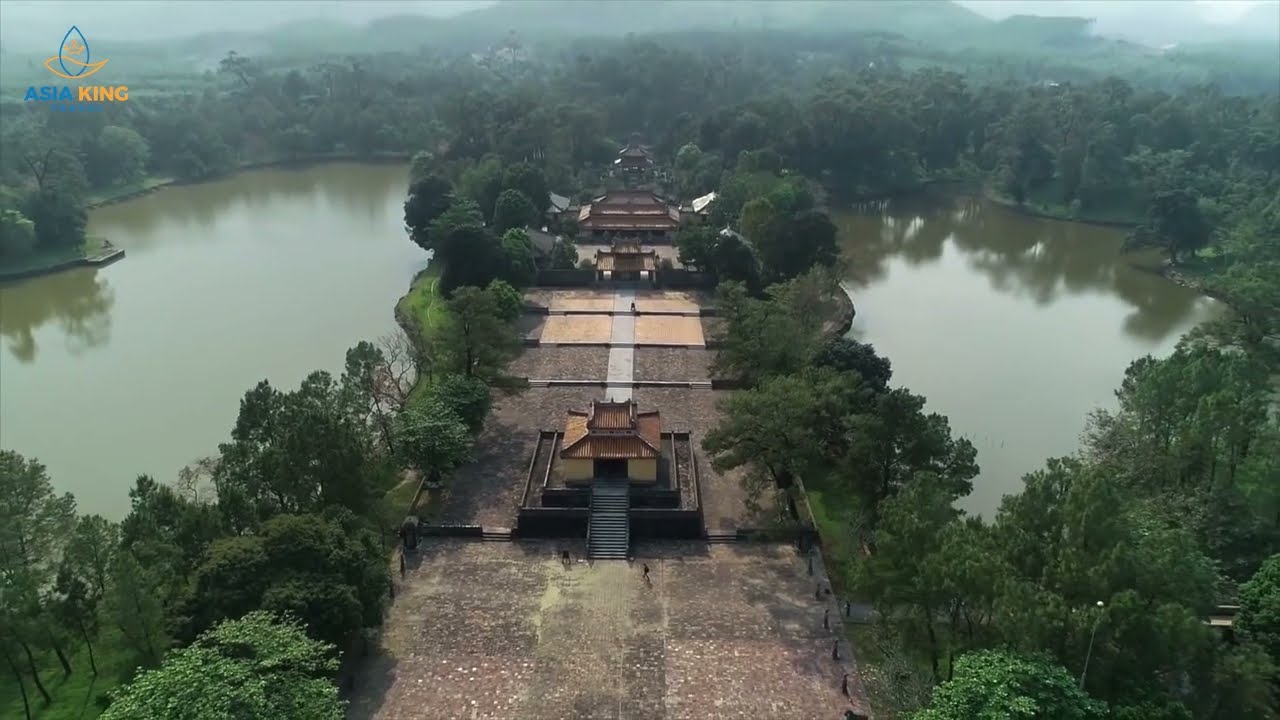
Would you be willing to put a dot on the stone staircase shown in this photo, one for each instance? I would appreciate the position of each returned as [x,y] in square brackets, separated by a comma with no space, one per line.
[609,528]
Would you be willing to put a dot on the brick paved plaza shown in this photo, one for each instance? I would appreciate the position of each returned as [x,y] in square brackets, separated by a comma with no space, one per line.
[504,631]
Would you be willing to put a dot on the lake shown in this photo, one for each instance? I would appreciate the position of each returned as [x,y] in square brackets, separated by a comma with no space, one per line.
[139,367]
[1013,327]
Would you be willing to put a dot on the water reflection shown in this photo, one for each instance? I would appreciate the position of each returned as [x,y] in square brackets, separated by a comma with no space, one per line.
[358,189]
[79,300]
[1039,260]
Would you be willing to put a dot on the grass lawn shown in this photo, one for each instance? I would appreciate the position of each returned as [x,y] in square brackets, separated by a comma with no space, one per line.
[74,697]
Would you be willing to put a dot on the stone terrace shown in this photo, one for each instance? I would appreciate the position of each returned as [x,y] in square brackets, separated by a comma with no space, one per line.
[672,364]
[487,491]
[724,500]
[561,363]
[504,631]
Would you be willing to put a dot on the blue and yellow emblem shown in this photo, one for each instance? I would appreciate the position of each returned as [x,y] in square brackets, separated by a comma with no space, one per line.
[73,60]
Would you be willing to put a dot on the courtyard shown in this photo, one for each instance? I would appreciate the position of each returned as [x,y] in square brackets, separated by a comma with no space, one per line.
[506,630]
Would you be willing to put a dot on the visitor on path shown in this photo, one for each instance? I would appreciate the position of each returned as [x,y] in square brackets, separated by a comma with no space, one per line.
[844,685]
[645,568]
[633,308]
[826,618]
[835,650]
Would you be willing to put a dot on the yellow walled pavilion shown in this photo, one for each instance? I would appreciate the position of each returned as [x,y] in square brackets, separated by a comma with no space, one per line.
[611,440]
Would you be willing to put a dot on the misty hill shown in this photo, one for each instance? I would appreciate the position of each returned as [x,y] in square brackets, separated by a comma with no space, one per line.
[920,18]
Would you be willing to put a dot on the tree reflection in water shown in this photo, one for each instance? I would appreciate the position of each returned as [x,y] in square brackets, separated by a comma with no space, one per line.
[1041,260]
[79,301]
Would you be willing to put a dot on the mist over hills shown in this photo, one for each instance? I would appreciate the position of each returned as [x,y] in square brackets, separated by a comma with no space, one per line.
[197,33]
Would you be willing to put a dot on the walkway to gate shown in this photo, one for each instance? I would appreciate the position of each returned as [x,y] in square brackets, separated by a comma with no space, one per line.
[622,354]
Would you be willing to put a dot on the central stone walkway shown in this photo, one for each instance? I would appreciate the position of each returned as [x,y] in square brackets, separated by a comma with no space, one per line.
[622,353]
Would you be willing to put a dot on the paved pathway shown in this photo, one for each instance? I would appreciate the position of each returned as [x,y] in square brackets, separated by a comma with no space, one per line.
[622,354]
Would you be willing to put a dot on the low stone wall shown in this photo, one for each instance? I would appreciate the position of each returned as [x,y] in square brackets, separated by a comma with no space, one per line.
[676,278]
[470,531]
[662,524]
[565,278]
[552,523]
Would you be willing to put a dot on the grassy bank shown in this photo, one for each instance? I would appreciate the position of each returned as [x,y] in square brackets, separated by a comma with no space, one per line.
[420,313]
[1038,204]
[92,246]
[129,190]
[74,697]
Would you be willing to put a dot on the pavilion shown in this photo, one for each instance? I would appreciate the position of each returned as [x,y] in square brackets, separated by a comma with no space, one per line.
[626,261]
[611,440]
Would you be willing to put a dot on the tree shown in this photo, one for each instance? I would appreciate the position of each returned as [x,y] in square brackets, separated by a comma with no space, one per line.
[260,665]
[1259,615]
[470,253]
[468,397]
[59,218]
[894,440]
[1175,221]
[475,336]
[847,355]
[326,570]
[517,248]
[807,238]
[509,301]
[18,234]
[123,155]
[295,452]
[35,526]
[430,195]
[997,684]
[564,254]
[695,244]
[530,182]
[513,210]
[433,438]
[133,605]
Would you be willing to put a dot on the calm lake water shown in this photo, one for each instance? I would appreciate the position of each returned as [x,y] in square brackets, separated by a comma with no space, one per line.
[139,367]
[1013,327]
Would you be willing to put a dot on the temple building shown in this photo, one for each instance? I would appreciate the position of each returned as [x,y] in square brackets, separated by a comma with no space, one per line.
[626,261]
[635,214]
[634,162]
[611,440]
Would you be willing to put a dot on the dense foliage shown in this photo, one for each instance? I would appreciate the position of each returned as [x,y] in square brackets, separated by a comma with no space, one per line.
[255,666]
[1116,554]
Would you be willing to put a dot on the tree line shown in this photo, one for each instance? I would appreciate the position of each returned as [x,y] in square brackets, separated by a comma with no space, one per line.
[1186,167]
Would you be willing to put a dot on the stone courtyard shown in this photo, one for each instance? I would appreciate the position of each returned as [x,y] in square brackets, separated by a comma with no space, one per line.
[505,631]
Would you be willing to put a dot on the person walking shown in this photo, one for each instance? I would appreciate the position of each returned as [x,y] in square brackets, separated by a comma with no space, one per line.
[645,569]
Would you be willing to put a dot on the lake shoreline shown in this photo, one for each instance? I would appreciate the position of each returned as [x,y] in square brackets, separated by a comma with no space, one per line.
[153,185]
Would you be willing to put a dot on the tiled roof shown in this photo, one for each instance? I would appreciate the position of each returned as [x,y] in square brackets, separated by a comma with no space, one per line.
[701,203]
[611,448]
[612,431]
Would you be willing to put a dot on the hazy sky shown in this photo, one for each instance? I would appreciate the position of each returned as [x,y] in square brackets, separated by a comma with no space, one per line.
[1209,10]
[37,24]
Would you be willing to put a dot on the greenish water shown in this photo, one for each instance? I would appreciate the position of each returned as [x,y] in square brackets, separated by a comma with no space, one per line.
[1013,327]
[139,367]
